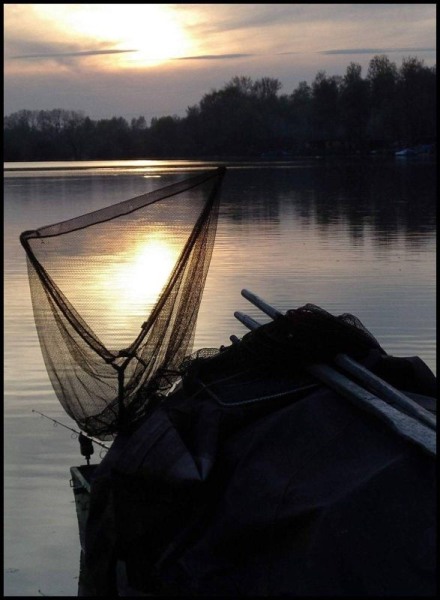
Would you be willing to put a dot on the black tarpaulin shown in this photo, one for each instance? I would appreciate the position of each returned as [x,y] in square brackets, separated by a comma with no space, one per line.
[298,494]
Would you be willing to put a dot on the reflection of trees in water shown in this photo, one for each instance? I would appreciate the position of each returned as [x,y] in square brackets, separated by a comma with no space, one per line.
[383,200]
[251,195]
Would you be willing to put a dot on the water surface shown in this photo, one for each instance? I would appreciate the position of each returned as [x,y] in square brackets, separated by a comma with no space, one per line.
[349,236]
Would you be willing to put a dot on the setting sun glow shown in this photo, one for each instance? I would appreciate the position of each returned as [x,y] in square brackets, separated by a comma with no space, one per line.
[146,34]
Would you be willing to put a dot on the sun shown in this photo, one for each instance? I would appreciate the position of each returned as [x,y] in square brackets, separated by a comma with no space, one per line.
[148,34]
[157,38]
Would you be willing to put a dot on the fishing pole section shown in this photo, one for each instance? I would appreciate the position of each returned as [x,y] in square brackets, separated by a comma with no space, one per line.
[85,442]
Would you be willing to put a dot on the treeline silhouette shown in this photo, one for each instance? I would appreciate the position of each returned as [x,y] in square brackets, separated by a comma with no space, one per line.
[390,107]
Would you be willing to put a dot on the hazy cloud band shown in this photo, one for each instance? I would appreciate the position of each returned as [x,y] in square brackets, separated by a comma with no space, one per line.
[375,50]
[68,54]
[214,57]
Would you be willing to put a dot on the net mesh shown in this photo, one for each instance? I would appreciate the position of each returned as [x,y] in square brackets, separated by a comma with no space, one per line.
[116,294]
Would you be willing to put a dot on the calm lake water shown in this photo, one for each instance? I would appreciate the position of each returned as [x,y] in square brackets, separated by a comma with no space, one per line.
[350,236]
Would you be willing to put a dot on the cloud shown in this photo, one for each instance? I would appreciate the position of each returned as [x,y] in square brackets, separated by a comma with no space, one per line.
[70,54]
[242,17]
[224,18]
[374,50]
[214,57]
[22,51]
[341,51]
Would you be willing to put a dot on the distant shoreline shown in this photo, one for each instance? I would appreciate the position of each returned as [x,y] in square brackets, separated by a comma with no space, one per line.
[172,163]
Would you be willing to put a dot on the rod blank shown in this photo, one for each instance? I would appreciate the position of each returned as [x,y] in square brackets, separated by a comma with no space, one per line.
[261,304]
[385,390]
[247,321]
[416,430]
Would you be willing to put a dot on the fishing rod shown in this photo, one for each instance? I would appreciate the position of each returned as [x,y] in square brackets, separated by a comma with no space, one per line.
[85,442]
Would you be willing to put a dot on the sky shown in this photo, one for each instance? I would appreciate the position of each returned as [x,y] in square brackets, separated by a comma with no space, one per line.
[153,60]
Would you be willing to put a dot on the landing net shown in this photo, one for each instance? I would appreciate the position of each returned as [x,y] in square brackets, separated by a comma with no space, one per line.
[116,293]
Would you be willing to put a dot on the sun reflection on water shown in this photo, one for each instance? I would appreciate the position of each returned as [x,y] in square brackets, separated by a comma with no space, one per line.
[141,281]
[133,283]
